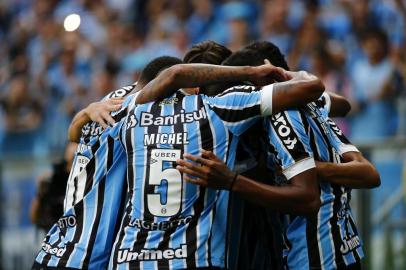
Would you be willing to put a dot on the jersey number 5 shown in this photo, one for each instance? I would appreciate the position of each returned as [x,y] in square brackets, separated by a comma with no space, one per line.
[167,200]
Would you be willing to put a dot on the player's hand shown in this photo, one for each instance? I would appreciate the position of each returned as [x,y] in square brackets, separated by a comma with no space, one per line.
[268,73]
[207,170]
[100,111]
[301,75]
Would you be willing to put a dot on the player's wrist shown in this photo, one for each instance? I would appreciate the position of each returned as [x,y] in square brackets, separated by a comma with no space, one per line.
[87,112]
[233,181]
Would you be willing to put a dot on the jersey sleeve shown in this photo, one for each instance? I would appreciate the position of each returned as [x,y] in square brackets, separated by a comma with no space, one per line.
[339,140]
[290,143]
[121,92]
[325,101]
[241,106]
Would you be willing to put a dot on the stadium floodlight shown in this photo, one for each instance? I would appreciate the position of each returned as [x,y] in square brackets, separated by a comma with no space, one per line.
[71,22]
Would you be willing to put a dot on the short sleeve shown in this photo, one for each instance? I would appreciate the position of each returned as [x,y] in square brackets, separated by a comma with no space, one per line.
[290,143]
[240,107]
[121,92]
[325,100]
[339,140]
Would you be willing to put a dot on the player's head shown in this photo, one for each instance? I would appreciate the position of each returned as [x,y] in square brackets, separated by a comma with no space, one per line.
[268,50]
[253,54]
[153,68]
[207,52]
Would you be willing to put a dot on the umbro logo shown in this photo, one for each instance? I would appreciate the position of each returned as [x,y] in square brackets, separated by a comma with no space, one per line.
[132,122]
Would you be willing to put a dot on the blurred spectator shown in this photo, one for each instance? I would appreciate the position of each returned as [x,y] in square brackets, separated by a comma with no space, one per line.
[308,38]
[374,90]
[238,16]
[334,79]
[115,39]
[22,110]
[275,26]
[22,116]
[201,21]
[47,206]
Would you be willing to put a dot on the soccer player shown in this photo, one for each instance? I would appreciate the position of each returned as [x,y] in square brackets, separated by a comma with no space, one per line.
[328,239]
[83,236]
[170,224]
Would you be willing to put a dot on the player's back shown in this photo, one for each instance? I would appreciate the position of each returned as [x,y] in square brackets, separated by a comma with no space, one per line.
[82,238]
[168,221]
[298,136]
[88,145]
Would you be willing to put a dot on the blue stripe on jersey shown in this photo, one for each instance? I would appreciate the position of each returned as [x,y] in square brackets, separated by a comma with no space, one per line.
[88,243]
[324,234]
[332,229]
[193,236]
[299,254]
[89,137]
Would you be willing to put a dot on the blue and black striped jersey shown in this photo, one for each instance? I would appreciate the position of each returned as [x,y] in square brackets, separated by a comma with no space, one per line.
[83,237]
[169,223]
[328,239]
[87,146]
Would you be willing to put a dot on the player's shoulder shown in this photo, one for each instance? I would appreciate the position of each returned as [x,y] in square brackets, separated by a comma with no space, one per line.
[293,115]
[121,92]
[238,89]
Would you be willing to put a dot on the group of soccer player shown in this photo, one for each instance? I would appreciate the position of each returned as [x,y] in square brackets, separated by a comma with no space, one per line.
[157,162]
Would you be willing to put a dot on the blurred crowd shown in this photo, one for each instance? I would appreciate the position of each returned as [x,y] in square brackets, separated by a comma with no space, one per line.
[47,74]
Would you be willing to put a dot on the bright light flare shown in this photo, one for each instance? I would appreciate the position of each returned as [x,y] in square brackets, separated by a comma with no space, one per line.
[71,22]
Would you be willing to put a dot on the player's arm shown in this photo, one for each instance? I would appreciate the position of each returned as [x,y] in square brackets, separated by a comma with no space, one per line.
[302,88]
[355,172]
[196,75]
[301,196]
[339,106]
[96,111]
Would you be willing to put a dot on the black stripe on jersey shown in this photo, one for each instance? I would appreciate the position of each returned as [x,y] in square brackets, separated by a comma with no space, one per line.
[210,234]
[100,200]
[120,115]
[312,220]
[178,128]
[232,115]
[230,137]
[130,185]
[206,139]
[335,229]
[286,243]
[287,135]
[352,223]
[338,132]
[313,146]
[142,234]
[239,89]
[312,242]
[79,208]
[121,231]
[304,121]
[91,168]
[96,222]
[354,229]
[78,212]
[75,189]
